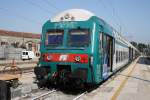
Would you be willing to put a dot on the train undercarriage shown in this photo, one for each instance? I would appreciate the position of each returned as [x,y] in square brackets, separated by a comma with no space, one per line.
[63,78]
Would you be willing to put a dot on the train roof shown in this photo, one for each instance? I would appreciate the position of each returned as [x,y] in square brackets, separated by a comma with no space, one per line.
[118,36]
[73,15]
[83,15]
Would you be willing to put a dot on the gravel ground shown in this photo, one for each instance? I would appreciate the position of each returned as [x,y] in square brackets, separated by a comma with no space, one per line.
[28,90]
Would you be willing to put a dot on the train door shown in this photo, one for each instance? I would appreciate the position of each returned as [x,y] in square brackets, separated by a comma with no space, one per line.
[110,53]
[107,48]
[130,54]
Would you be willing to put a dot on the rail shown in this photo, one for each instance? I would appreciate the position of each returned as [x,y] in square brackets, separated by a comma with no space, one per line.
[18,63]
[79,96]
[43,95]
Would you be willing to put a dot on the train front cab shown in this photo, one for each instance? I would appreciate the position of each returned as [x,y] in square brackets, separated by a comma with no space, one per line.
[65,53]
[89,63]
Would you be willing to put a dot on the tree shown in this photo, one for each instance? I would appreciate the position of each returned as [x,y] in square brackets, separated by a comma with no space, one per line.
[135,44]
[141,47]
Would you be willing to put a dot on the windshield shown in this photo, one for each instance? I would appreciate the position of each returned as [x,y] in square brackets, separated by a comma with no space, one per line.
[54,38]
[79,38]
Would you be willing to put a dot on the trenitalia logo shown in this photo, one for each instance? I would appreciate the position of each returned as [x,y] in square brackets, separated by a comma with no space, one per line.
[77,58]
[63,57]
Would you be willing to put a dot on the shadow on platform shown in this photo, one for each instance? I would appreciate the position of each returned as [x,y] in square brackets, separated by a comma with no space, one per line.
[144,60]
[138,78]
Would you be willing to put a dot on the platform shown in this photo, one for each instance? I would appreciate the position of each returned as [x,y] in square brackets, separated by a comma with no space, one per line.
[138,85]
[133,83]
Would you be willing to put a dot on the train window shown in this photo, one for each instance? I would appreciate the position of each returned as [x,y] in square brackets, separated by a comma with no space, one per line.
[104,45]
[124,56]
[119,56]
[116,56]
[101,39]
[79,38]
[54,37]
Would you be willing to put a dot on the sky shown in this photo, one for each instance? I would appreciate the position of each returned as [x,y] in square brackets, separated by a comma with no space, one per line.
[130,17]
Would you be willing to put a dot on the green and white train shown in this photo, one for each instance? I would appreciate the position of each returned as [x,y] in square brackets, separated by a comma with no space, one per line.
[79,48]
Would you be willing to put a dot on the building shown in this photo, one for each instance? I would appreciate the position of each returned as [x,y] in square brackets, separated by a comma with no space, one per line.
[28,41]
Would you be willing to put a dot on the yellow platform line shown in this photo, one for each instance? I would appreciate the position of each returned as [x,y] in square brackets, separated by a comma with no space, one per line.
[116,94]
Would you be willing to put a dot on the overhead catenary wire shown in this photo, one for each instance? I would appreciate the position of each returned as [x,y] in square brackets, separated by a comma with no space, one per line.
[116,15]
[39,6]
[4,10]
[113,13]
[118,21]
[50,4]
[122,26]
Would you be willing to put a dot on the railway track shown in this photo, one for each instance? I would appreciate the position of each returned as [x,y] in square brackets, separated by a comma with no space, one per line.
[44,95]
[16,66]
[47,95]
[23,70]
[79,96]
[58,95]
[18,63]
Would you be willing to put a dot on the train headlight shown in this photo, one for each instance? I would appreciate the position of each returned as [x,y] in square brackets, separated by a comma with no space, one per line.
[77,58]
[49,57]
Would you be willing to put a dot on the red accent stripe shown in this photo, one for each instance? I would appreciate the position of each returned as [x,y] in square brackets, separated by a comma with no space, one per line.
[55,57]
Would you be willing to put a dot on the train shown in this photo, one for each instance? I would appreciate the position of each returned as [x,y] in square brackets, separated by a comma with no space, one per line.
[78,48]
